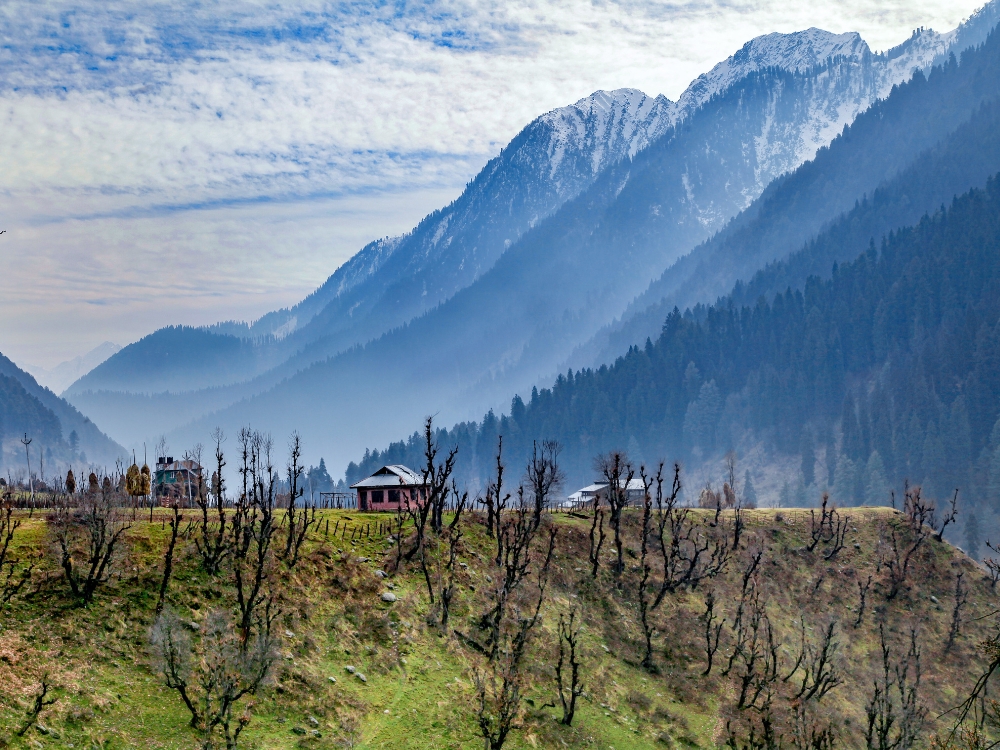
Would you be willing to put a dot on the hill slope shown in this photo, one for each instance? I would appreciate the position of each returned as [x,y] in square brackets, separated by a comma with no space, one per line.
[419,685]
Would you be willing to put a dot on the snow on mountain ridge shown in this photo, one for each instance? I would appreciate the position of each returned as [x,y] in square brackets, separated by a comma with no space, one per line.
[606,126]
[611,124]
[798,51]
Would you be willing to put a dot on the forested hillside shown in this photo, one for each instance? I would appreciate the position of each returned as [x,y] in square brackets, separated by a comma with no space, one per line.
[914,150]
[59,433]
[890,368]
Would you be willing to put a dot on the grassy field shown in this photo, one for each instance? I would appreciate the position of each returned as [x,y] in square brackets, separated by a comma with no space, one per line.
[419,691]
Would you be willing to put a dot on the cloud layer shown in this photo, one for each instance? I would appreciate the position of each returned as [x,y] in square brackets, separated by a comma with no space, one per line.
[192,161]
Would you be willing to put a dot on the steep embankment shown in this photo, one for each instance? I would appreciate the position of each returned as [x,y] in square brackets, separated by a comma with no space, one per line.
[418,690]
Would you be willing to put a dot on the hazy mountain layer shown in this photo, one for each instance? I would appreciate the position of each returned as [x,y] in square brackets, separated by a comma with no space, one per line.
[28,408]
[522,310]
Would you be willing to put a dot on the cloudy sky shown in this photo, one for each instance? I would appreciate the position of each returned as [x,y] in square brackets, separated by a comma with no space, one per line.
[189,162]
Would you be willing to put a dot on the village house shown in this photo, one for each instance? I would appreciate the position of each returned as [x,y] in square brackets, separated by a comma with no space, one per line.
[390,488]
[586,496]
[176,479]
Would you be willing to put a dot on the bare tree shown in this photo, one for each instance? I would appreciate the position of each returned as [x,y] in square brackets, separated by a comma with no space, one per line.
[213,676]
[645,568]
[618,473]
[499,685]
[748,594]
[517,534]
[992,565]
[168,558]
[89,540]
[595,546]
[299,521]
[252,532]
[544,475]
[437,478]
[26,441]
[949,517]
[815,667]
[756,657]
[897,551]
[38,703]
[453,533]
[496,502]
[894,716]
[569,638]
[830,530]
[11,582]
[713,631]
[689,553]
[961,597]
[213,545]
[862,599]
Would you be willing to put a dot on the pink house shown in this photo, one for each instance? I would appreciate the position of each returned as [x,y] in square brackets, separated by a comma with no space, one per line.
[389,489]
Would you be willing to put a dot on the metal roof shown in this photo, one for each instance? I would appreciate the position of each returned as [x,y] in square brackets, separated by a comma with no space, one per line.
[593,489]
[394,475]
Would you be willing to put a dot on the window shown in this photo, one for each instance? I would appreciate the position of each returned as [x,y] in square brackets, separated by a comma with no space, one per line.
[377,496]
[393,496]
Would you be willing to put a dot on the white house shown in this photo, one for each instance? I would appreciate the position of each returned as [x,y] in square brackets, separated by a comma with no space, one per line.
[586,496]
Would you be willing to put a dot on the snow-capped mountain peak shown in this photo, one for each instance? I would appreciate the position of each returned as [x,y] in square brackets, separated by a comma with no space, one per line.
[798,51]
[607,124]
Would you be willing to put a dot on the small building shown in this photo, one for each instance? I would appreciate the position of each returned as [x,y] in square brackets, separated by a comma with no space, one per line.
[176,479]
[585,497]
[390,488]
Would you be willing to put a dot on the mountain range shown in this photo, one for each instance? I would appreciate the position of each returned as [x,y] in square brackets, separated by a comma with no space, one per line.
[60,435]
[570,245]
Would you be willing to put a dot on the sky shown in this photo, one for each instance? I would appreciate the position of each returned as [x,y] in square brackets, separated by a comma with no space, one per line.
[191,162]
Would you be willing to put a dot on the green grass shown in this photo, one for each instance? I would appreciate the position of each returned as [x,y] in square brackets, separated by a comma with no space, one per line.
[419,692]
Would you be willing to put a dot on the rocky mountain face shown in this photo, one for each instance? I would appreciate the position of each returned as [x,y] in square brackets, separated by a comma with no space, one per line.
[550,242]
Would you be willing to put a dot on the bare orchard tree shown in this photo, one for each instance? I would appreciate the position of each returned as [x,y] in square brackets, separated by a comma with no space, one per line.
[570,687]
[168,558]
[544,476]
[252,533]
[437,477]
[12,580]
[949,517]
[894,715]
[517,535]
[596,538]
[646,569]
[453,537]
[299,520]
[212,544]
[216,673]
[496,502]
[961,598]
[690,552]
[436,481]
[90,540]
[618,473]
[830,530]
[39,702]
[499,684]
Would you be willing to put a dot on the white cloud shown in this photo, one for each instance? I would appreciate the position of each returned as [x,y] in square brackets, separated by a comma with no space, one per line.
[251,147]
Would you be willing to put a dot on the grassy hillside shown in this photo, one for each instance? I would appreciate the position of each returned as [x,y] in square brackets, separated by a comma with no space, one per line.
[419,691]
